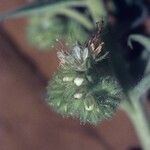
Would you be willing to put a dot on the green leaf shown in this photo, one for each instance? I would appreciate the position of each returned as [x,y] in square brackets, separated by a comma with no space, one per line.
[37,8]
[145,41]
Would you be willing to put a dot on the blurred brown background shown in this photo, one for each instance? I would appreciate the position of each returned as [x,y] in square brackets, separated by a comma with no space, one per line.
[26,123]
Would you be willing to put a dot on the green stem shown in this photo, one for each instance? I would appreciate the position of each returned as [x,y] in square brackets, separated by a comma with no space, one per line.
[25,11]
[97,9]
[73,14]
[58,8]
[135,109]
[140,121]
[78,17]
[143,40]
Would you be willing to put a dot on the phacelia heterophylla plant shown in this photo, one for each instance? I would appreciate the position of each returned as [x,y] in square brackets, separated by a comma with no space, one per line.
[79,89]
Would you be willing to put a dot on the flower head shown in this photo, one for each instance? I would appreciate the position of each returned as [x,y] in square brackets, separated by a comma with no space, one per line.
[78,89]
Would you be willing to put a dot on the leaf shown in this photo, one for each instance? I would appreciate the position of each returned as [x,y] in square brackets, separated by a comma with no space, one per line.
[41,7]
[143,40]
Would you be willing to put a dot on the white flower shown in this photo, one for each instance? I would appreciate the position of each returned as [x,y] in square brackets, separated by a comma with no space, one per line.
[67,79]
[75,58]
[76,52]
[78,81]
[88,108]
[80,54]
[85,53]
[78,95]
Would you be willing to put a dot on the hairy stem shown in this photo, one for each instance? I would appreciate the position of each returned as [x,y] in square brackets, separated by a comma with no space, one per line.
[97,9]
[140,121]
[78,17]
[50,8]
